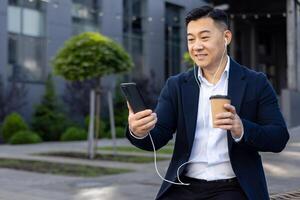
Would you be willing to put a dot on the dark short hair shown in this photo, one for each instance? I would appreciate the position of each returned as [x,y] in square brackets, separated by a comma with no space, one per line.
[217,15]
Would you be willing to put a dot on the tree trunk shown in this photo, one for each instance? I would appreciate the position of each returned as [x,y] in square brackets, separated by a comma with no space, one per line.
[97,114]
[112,121]
[94,124]
[91,152]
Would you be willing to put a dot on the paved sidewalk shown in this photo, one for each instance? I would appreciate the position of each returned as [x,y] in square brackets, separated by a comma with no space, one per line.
[35,186]
[142,184]
[282,169]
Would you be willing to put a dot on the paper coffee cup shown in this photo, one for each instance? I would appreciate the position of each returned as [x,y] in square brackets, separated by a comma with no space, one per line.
[217,105]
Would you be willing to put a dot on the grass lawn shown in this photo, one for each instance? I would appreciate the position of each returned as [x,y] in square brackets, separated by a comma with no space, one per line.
[168,149]
[109,157]
[58,168]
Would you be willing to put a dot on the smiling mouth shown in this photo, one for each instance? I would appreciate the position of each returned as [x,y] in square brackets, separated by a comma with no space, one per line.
[200,56]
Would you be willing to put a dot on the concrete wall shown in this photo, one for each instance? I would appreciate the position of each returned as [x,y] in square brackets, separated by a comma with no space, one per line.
[155,40]
[291,96]
[111,21]
[298,45]
[112,26]
[3,38]
[290,107]
[58,29]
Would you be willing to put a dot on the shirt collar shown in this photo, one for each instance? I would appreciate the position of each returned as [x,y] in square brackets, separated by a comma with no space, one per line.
[225,72]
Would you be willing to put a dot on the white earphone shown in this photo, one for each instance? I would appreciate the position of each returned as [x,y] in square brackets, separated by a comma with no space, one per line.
[225,42]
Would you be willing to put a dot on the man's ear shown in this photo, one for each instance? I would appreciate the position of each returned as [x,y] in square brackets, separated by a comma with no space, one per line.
[228,36]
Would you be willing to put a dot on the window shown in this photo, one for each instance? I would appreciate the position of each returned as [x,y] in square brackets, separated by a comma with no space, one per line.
[26,17]
[172,38]
[26,56]
[26,40]
[133,31]
[85,16]
[33,22]
[14,19]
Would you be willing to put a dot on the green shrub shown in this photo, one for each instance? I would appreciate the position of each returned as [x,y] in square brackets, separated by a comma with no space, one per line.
[12,124]
[120,110]
[121,117]
[49,124]
[48,120]
[1,136]
[74,133]
[25,137]
[120,132]
[105,134]
[187,59]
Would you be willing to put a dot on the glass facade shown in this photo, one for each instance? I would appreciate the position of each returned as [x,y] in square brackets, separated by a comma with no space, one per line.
[85,16]
[173,54]
[27,45]
[26,40]
[133,31]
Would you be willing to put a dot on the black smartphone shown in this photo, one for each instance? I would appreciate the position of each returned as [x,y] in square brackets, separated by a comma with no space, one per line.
[133,96]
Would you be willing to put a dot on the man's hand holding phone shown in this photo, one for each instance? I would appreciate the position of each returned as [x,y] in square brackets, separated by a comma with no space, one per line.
[142,122]
[140,119]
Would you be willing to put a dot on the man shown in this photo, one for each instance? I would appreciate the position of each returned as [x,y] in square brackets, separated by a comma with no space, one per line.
[223,162]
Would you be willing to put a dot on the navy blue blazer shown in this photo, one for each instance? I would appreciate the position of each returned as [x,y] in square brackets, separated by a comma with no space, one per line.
[257,106]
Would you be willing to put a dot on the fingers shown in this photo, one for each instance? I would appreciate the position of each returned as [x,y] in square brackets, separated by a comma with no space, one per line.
[230,114]
[230,108]
[150,125]
[141,122]
[226,127]
[138,115]
[225,115]
[141,114]
[145,120]
[227,121]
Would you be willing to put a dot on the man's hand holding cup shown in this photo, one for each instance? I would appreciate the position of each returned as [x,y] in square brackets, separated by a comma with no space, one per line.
[225,116]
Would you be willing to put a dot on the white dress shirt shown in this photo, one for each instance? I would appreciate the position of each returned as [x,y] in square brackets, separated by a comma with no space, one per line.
[209,158]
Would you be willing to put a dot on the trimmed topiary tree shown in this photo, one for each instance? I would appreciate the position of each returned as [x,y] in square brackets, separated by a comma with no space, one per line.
[90,55]
[25,137]
[86,56]
[11,125]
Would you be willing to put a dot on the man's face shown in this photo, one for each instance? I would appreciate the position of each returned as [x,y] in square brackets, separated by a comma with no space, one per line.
[206,42]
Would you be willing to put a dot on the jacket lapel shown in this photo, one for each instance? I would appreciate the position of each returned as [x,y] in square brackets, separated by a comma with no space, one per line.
[190,98]
[236,89]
